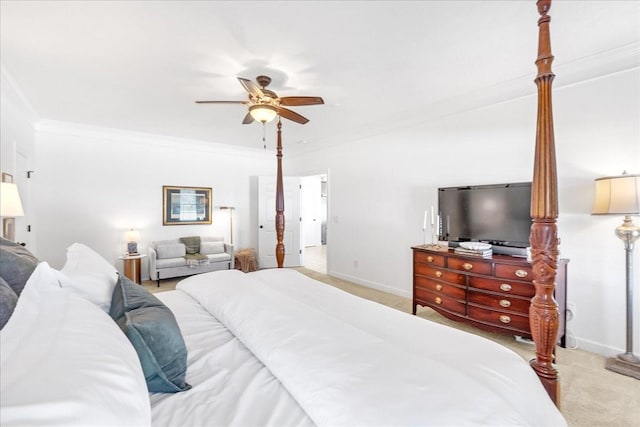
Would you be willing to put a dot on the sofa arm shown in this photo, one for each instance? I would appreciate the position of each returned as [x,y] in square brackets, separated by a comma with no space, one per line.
[153,271]
[228,248]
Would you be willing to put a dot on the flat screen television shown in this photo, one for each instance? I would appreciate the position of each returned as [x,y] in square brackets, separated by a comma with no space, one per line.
[498,214]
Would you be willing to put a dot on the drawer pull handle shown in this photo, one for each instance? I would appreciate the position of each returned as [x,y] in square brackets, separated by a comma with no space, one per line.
[521,273]
[505,303]
[438,287]
[438,273]
[467,266]
[505,319]
[505,287]
[438,300]
[430,258]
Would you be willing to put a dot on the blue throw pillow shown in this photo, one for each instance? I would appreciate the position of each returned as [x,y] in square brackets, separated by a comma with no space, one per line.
[16,264]
[154,333]
[8,301]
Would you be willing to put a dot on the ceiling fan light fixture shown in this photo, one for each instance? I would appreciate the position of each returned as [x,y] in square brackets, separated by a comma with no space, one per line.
[263,113]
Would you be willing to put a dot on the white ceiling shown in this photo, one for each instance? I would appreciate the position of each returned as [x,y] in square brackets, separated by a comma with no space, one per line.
[140,65]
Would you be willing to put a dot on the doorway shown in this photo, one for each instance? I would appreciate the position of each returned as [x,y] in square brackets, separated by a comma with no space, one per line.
[314,214]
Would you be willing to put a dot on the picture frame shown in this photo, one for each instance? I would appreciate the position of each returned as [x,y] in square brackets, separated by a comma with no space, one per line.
[186,205]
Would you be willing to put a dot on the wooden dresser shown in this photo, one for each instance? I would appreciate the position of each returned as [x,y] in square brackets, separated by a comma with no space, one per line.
[493,294]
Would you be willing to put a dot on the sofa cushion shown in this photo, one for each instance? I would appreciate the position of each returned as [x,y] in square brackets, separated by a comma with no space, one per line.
[219,257]
[152,329]
[192,244]
[209,248]
[171,262]
[171,251]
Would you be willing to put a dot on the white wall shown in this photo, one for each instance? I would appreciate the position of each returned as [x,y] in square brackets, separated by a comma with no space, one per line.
[17,146]
[95,184]
[380,187]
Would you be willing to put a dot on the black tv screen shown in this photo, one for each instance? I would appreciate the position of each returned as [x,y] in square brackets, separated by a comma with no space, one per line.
[498,214]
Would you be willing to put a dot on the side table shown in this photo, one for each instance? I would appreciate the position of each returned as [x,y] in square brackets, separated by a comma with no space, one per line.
[246,260]
[132,267]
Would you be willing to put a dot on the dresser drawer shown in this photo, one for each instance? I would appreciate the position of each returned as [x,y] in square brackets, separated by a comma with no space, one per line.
[439,273]
[514,272]
[470,265]
[439,288]
[436,301]
[500,302]
[506,287]
[500,319]
[437,260]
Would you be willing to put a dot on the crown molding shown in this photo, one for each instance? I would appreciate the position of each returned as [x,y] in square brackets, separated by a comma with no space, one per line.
[571,73]
[10,89]
[97,133]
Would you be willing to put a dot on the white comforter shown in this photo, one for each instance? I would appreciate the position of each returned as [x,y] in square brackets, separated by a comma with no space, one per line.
[348,361]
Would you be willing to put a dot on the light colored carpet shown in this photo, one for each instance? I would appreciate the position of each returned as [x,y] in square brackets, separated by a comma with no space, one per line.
[590,395]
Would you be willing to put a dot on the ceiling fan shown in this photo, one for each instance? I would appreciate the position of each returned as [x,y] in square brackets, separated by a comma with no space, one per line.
[265,105]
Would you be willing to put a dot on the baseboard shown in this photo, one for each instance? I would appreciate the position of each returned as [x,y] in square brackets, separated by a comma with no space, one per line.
[598,348]
[370,284]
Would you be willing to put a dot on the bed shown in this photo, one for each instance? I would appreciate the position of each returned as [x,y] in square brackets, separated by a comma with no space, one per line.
[272,347]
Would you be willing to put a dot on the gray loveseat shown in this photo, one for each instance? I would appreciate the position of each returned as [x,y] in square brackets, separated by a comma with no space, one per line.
[168,258]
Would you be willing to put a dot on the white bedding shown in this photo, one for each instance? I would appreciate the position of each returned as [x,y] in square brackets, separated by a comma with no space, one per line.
[342,359]
[230,387]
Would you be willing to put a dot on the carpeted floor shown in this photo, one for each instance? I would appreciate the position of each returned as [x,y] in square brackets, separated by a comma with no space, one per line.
[590,395]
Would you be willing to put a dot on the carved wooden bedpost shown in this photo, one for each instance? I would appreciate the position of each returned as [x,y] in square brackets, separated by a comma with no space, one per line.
[279,202]
[544,212]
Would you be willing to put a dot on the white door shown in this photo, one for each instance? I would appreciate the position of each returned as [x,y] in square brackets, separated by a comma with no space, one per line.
[311,211]
[267,240]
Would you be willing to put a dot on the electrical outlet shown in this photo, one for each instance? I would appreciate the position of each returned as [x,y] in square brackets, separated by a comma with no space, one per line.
[571,311]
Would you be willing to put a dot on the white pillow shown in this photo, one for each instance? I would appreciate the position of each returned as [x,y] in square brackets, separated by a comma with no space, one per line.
[89,275]
[65,362]
[210,248]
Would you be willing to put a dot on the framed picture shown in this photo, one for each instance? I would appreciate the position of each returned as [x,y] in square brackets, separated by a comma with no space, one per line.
[186,205]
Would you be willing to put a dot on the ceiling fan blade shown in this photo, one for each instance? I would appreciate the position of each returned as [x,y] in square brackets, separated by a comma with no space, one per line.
[221,102]
[253,89]
[248,119]
[301,100]
[292,115]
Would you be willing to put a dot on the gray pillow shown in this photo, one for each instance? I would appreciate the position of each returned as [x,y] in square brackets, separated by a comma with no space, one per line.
[210,248]
[155,335]
[8,301]
[16,264]
[176,250]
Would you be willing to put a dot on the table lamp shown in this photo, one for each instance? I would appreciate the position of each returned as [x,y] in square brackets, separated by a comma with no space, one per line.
[10,207]
[132,242]
[620,195]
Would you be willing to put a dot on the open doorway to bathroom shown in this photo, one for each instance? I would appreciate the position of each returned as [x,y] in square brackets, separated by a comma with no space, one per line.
[314,213]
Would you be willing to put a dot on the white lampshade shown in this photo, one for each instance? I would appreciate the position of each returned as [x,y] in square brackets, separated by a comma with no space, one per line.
[133,235]
[263,113]
[617,195]
[10,205]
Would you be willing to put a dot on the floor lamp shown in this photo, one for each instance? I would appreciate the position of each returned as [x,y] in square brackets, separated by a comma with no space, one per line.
[620,195]
[230,209]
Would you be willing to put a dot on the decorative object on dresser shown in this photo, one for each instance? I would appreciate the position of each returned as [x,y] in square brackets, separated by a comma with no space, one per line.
[620,195]
[186,205]
[492,294]
[10,206]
